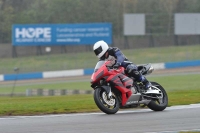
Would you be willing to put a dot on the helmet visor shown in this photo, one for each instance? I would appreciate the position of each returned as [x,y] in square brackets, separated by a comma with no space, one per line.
[98,50]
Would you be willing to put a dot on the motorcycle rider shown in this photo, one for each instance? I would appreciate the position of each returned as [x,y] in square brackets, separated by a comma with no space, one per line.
[104,52]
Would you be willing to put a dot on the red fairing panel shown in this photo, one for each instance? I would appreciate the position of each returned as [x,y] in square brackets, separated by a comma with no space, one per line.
[126,93]
[116,78]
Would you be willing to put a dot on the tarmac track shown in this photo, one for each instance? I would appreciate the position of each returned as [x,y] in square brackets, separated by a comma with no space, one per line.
[172,120]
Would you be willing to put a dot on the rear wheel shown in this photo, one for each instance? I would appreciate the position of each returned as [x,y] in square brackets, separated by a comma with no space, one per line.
[105,104]
[160,102]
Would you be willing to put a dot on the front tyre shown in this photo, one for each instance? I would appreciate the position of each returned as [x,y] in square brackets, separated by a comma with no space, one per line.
[161,102]
[105,104]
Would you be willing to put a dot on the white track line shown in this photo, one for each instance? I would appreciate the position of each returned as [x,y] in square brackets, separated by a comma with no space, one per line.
[119,112]
[192,130]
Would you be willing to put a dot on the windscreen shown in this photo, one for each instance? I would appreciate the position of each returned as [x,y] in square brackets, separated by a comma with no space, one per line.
[98,65]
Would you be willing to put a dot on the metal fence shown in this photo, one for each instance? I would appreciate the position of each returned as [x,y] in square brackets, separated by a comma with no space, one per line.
[159,14]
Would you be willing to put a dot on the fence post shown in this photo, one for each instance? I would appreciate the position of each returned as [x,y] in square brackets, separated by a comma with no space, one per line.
[63,92]
[51,92]
[75,92]
[40,92]
[28,92]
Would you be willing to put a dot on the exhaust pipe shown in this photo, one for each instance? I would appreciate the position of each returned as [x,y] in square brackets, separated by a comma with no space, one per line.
[146,102]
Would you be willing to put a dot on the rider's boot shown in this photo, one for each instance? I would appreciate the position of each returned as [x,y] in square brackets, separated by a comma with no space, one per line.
[140,78]
[148,86]
[146,83]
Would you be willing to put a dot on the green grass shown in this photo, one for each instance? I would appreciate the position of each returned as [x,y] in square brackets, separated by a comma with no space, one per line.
[178,82]
[88,59]
[75,103]
[46,105]
[184,97]
[183,89]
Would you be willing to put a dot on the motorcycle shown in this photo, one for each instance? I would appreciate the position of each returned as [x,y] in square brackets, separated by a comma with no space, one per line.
[114,89]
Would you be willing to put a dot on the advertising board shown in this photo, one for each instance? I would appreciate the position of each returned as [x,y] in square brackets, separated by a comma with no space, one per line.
[60,34]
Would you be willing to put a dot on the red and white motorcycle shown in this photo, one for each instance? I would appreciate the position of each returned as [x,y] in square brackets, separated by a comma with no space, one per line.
[113,89]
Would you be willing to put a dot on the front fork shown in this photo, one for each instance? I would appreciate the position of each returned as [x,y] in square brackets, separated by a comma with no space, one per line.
[107,88]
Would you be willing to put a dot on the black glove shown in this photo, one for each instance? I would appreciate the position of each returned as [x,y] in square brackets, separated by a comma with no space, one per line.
[94,85]
[116,66]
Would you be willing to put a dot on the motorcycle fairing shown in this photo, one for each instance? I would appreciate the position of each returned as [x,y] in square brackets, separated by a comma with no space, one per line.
[116,81]
[113,77]
[127,82]
[99,75]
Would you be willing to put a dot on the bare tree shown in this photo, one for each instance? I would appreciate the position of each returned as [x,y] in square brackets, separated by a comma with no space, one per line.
[169,6]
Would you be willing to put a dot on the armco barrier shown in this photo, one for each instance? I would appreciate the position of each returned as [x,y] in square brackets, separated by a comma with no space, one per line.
[22,76]
[82,72]
[182,64]
[51,92]
[48,92]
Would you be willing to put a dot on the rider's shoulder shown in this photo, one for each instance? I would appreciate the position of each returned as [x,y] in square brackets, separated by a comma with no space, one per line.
[114,48]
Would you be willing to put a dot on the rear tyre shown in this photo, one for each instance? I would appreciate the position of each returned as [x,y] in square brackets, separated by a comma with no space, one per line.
[161,104]
[108,106]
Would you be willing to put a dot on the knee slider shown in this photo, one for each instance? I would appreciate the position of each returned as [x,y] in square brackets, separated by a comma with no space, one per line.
[129,69]
[133,72]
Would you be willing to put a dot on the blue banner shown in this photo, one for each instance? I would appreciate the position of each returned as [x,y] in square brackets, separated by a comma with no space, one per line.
[61,34]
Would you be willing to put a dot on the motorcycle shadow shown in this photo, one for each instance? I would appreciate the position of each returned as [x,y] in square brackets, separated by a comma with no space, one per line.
[134,112]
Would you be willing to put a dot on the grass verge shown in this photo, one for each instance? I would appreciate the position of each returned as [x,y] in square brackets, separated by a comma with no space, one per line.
[75,103]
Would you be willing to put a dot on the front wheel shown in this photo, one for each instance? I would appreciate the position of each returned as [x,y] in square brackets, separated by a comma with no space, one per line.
[105,104]
[160,102]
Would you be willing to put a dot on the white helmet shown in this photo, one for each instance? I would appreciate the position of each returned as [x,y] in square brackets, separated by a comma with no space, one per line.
[100,48]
